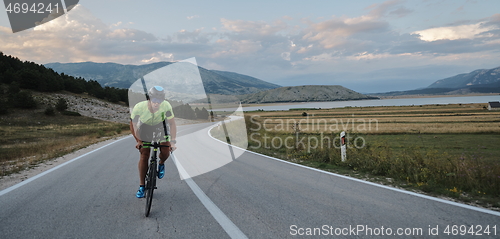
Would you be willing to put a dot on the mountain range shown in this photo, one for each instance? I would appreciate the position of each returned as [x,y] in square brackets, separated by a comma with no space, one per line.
[122,76]
[475,78]
[478,81]
[223,86]
[252,90]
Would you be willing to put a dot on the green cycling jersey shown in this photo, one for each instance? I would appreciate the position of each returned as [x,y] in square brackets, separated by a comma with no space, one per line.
[142,113]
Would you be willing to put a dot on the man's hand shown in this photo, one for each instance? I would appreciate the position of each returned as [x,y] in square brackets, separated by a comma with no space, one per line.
[139,145]
[172,146]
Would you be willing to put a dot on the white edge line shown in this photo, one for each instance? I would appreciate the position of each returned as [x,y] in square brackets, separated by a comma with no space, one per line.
[231,229]
[495,213]
[11,188]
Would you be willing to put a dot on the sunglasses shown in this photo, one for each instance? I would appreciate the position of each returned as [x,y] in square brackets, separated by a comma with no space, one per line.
[155,100]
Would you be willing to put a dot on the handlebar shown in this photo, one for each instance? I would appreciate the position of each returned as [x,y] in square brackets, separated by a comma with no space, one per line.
[155,145]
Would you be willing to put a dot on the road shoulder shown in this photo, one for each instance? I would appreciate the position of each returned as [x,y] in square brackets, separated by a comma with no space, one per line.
[15,178]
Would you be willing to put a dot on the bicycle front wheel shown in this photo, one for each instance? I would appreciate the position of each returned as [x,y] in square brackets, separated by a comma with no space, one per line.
[149,192]
[150,187]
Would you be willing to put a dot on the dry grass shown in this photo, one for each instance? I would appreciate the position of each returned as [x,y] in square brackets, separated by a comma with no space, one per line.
[457,118]
[28,138]
[449,150]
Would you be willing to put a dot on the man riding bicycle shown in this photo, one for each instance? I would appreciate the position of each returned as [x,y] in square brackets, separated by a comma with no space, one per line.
[148,123]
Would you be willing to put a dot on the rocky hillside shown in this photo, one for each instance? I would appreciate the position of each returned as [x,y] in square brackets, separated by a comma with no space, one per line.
[93,107]
[478,81]
[474,78]
[88,106]
[307,93]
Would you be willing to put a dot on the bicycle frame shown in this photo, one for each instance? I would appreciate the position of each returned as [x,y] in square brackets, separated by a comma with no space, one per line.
[151,175]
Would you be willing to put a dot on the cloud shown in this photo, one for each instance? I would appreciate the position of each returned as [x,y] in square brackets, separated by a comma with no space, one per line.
[195,36]
[355,31]
[231,48]
[79,36]
[192,17]
[265,49]
[470,31]
[259,27]
[384,9]
[401,12]
[336,31]
[159,56]
[285,56]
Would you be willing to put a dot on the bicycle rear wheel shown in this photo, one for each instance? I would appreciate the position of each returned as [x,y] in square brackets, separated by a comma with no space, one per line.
[150,186]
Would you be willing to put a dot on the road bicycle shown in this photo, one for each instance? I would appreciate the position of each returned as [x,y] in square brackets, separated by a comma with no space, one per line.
[151,176]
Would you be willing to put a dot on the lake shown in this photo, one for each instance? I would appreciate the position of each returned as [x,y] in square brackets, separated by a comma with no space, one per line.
[367,103]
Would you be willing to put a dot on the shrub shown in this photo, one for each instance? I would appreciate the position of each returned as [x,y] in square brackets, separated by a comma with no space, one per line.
[3,107]
[50,111]
[62,104]
[71,113]
[23,100]
[101,133]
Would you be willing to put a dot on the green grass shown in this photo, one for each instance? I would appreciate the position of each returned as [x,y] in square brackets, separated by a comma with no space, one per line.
[436,164]
[483,145]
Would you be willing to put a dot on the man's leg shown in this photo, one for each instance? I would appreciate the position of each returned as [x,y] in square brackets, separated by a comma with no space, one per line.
[143,164]
[164,154]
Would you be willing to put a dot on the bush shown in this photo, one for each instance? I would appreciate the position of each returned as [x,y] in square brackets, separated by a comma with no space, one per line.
[3,107]
[71,113]
[23,100]
[50,111]
[61,105]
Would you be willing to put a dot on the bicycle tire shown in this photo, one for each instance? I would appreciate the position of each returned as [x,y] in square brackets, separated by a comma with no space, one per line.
[150,186]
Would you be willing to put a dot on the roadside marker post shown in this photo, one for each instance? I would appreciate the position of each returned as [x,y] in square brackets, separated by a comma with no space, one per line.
[342,146]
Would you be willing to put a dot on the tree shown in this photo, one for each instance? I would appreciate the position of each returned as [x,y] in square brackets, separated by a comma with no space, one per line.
[29,79]
[30,75]
[13,88]
[3,107]
[23,100]
[203,114]
[50,111]
[111,95]
[62,104]
[197,113]
[184,111]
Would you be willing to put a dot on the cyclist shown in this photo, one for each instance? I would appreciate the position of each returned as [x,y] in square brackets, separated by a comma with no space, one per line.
[148,122]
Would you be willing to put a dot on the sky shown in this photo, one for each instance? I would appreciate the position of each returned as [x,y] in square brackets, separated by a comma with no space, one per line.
[367,46]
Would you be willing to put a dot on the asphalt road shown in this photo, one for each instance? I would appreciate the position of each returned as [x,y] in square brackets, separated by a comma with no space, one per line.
[247,196]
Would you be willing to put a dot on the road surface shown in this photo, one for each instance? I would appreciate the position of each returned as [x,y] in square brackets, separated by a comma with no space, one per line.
[251,196]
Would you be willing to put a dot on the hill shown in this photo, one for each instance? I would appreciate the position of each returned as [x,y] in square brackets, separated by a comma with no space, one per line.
[478,81]
[122,76]
[107,74]
[474,78]
[18,79]
[307,93]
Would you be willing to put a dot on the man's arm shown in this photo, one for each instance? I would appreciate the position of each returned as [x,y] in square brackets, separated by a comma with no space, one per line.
[173,129]
[134,133]
[133,123]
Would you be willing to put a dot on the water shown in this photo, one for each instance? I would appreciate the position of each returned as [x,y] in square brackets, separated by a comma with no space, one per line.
[382,102]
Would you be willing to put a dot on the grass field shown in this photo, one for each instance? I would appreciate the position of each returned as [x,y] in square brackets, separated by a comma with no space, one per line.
[449,150]
[28,138]
[467,118]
